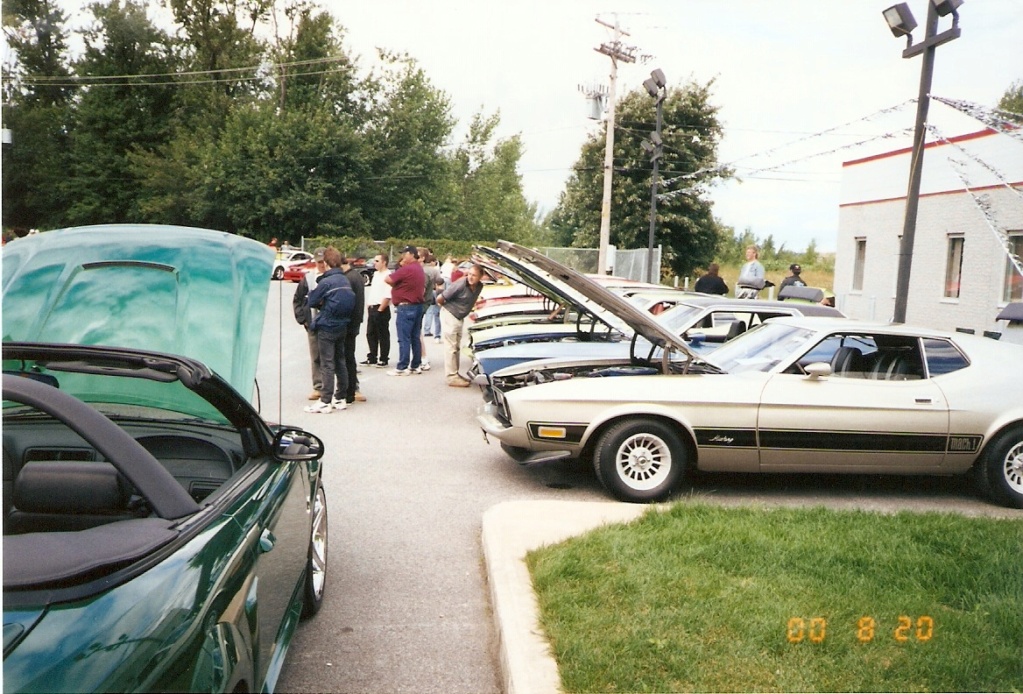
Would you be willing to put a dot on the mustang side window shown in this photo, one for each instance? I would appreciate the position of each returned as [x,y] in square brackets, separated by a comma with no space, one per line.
[943,357]
[847,354]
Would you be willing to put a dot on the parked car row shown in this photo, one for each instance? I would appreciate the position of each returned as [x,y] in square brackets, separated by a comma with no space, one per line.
[747,386]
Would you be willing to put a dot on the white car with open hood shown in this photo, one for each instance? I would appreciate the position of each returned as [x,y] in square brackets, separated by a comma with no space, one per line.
[796,394]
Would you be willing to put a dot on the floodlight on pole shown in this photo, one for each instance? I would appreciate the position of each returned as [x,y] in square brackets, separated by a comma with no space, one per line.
[900,21]
[657,87]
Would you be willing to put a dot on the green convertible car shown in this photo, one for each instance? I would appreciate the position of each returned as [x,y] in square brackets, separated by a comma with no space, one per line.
[158,535]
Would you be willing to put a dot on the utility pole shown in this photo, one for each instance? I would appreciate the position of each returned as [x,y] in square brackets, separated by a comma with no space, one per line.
[616,51]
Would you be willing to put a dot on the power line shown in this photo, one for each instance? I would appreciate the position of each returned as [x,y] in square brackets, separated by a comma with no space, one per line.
[174,78]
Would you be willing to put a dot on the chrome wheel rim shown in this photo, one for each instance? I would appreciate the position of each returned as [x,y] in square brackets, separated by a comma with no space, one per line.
[318,544]
[643,461]
[1012,468]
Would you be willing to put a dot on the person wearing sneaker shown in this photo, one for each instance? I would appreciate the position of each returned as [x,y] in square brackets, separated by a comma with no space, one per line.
[408,286]
[358,285]
[429,262]
[378,314]
[334,300]
[457,302]
[304,315]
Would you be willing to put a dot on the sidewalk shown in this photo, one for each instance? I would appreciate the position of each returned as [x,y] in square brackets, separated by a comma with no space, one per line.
[510,530]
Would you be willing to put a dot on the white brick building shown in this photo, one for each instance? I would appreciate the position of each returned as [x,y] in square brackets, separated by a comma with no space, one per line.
[961,276]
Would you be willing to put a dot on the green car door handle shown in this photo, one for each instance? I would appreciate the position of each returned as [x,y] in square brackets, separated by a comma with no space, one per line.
[266,541]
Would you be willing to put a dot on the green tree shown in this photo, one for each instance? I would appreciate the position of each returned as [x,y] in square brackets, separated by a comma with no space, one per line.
[409,192]
[313,67]
[685,226]
[221,56]
[284,175]
[491,202]
[1012,101]
[37,95]
[115,114]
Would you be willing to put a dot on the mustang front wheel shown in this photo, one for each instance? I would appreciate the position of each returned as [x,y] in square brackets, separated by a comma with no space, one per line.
[640,460]
[1004,468]
[316,571]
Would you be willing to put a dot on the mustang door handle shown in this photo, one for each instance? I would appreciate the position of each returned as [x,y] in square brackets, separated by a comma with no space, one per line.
[266,541]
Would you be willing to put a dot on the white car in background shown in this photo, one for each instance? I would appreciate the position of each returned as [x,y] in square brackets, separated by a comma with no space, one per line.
[286,259]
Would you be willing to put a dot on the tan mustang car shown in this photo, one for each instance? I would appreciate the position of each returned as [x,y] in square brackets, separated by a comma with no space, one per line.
[795,394]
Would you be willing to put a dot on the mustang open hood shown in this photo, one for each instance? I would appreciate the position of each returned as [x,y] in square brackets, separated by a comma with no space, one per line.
[612,309]
[196,293]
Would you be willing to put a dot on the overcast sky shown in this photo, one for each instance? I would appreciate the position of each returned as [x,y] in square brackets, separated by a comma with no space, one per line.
[784,71]
[811,72]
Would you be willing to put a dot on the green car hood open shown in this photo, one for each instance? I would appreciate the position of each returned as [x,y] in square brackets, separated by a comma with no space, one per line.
[177,290]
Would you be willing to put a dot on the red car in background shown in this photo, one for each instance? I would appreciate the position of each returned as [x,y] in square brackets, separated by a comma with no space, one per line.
[295,273]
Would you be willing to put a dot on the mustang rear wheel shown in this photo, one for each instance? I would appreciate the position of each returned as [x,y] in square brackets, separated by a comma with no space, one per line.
[278,273]
[316,570]
[1004,468]
[640,460]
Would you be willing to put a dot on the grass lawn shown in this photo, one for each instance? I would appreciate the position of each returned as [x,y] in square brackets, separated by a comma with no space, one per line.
[704,598]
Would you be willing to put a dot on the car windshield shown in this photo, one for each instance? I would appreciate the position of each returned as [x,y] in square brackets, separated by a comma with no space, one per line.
[122,396]
[679,317]
[762,348]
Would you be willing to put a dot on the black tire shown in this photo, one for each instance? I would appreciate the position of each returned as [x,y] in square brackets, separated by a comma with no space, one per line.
[1003,467]
[278,273]
[316,568]
[640,460]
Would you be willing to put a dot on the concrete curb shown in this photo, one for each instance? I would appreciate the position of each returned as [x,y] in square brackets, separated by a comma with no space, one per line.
[510,530]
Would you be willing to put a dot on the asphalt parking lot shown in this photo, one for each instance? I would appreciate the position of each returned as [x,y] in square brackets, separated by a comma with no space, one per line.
[409,477]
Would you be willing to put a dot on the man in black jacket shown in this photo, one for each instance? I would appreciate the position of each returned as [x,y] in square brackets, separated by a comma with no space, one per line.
[334,300]
[359,287]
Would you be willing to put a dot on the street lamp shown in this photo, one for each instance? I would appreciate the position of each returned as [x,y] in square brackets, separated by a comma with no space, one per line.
[901,22]
[656,87]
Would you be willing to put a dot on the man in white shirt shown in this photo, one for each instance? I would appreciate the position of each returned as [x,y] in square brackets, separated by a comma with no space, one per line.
[378,314]
[751,276]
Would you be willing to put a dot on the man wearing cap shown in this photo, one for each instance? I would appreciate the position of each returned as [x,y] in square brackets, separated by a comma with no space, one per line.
[304,315]
[793,280]
[408,288]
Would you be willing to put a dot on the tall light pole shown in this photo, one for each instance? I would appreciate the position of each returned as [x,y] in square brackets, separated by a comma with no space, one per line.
[656,86]
[901,22]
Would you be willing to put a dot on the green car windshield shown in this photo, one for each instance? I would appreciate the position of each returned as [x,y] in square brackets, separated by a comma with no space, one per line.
[119,397]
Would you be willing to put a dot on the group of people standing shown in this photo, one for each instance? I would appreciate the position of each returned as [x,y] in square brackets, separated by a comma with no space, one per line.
[751,278]
[332,299]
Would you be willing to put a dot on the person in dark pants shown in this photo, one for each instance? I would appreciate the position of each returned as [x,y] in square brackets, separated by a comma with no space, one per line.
[378,314]
[352,393]
[334,300]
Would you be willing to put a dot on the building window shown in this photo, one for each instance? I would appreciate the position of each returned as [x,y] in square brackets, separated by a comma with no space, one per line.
[954,267]
[861,258]
[1013,290]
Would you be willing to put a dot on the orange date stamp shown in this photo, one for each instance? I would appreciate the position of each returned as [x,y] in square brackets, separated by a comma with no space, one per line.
[867,629]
